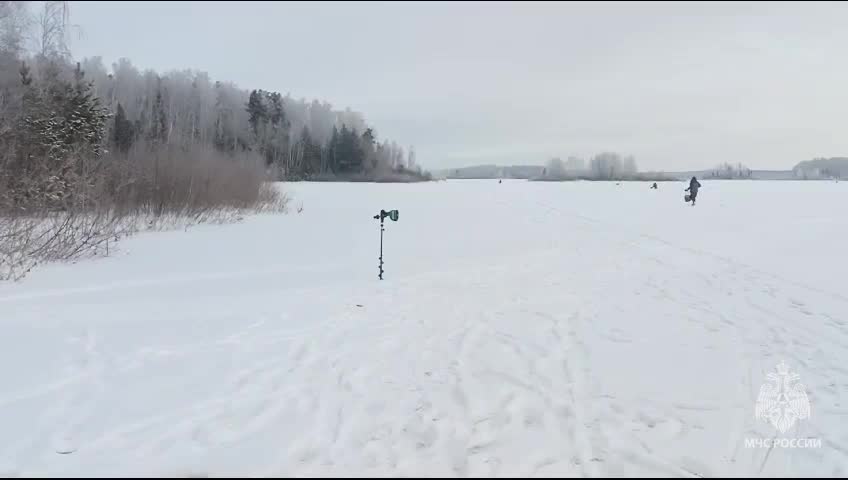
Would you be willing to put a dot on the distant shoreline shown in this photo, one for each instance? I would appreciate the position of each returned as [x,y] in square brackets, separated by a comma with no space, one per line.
[646,178]
[666,180]
[818,169]
[530,173]
[393,177]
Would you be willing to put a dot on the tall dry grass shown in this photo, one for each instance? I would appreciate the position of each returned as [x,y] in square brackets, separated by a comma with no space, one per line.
[82,206]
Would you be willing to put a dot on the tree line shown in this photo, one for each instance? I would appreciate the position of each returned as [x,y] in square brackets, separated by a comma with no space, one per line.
[727,171]
[604,166]
[296,139]
[85,151]
[822,168]
[129,108]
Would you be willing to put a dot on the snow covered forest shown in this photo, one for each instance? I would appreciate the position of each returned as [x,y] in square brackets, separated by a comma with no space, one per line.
[86,151]
[605,166]
[727,171]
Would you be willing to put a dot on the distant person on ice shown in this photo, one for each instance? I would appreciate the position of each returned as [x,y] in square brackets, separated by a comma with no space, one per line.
[654,186]
[693,190]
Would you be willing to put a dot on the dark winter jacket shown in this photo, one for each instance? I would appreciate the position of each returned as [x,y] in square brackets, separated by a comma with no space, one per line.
[693,186]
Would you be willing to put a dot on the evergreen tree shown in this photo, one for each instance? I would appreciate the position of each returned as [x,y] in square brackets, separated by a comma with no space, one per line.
[332,151]
[122,132]
[369,151]
[349,152]
[62,126]
[311,153]
[85,119]
[158,132]
[256,111]
[275,110]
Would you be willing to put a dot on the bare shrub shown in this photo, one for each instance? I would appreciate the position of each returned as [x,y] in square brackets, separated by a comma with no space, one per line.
[387,176]
[188,180]
[65,211]
[271,199]
[171,186]
[55,210]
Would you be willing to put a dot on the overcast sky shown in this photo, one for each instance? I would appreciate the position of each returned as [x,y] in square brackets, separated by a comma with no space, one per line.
[679,86]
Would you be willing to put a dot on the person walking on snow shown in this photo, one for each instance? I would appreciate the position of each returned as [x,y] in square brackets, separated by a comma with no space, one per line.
[693,190]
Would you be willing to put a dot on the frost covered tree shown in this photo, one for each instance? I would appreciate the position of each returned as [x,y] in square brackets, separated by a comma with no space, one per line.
[612,166]
[728,171]
[54,108]
[574,164]
[410,159]
[555,168]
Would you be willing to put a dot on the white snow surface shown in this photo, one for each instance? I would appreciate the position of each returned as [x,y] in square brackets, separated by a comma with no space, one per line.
[523,328]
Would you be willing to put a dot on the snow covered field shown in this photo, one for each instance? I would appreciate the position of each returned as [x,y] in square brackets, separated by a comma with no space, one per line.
[567,329]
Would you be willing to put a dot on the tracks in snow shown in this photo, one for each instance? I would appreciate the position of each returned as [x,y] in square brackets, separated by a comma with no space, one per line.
[595,354]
